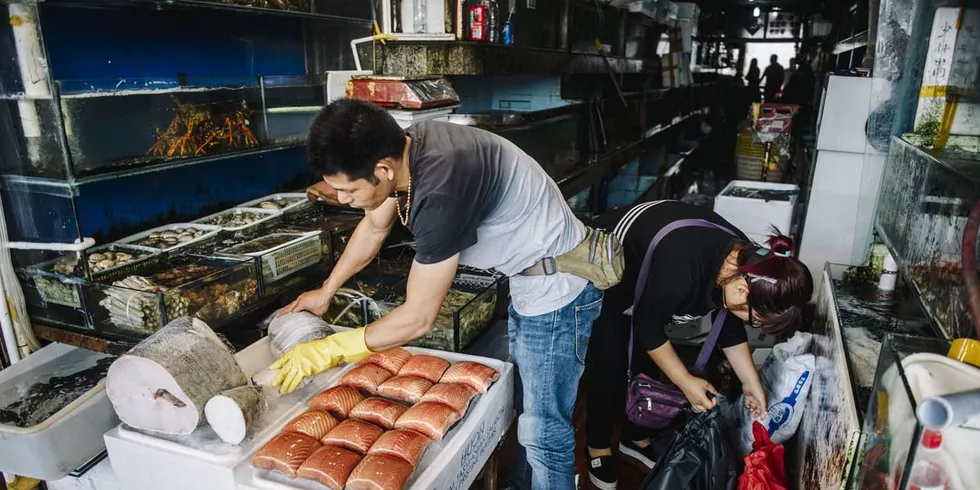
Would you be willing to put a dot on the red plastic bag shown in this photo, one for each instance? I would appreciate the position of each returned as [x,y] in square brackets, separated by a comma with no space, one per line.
[764,468]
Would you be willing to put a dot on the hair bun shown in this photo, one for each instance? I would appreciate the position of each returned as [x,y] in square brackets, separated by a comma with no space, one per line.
[780,244]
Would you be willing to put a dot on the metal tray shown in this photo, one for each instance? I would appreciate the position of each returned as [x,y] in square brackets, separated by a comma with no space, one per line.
[148,253]
[302,202]
[212,233]
[269,216]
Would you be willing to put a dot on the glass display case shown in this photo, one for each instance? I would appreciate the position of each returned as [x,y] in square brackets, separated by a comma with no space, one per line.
[338,222]
[921,213]
[899,453]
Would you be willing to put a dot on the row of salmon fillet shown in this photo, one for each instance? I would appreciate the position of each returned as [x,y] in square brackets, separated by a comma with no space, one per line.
[371,430]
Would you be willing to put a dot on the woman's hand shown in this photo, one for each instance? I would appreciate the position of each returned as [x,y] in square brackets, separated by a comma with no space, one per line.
[696,390]
[316,301]
[755,399]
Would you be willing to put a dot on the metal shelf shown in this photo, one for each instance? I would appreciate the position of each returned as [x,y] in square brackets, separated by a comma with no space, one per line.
[418,59]
[207,4]
[858,40]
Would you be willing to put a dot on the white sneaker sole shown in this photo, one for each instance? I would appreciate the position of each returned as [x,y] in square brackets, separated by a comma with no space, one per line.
[601,485]
[638,456]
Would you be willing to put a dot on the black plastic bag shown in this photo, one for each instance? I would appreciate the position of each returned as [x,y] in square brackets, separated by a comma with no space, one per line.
[699,457]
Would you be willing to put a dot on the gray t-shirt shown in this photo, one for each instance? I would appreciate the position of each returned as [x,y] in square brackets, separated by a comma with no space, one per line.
[479,195]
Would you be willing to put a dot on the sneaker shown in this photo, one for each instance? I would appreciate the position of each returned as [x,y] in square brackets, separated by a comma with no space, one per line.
[603,472]
[643,455]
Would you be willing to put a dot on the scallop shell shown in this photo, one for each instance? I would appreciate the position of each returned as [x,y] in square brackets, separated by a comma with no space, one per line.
[105,264]
[96,258]
[123,257]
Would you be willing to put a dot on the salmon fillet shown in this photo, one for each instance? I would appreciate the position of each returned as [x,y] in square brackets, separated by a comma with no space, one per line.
[366,377]
[423,366]
[456,396]
[477,376]
[313,423]
[339,400]
[330,466]
[378,411]
[407,388]
[355,435]
[392,359]
[379,472]
[431,419]
[404,444]
[285,453]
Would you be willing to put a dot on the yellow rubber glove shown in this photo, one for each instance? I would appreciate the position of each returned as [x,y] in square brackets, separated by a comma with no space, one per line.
[314,357]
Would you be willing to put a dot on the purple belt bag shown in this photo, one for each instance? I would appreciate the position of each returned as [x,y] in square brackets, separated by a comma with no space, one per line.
[651,403]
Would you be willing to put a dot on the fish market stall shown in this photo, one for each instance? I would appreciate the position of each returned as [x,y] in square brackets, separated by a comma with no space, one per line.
[202,460]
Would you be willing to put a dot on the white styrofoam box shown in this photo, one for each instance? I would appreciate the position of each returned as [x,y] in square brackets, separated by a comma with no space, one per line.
[435,16]
[408,118]
[951,65]
[846,105]
[688,10]
[756,217]
[99,477]
[67,439]
[337,82]
[831,217]
[687,31]
[144,462]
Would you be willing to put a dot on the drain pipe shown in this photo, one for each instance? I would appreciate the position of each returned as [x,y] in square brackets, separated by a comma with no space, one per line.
[874,7]
[33,73]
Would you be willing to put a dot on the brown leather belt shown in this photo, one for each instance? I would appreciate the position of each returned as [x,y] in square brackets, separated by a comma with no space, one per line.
[544,267]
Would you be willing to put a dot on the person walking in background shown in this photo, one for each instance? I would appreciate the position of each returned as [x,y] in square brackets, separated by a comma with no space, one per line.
[790,71]
[752,80]
[773,76]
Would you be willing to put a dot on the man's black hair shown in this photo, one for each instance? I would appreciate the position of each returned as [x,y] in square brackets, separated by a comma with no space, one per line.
[350,136]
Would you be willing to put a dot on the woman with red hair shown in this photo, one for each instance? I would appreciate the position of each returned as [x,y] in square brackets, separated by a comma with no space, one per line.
[694,264]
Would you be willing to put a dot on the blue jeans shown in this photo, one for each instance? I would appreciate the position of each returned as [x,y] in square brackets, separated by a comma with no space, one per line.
[549,351]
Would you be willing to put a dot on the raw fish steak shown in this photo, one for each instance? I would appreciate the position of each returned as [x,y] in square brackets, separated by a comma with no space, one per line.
[478,376]
[379,472]
[285,453]
[423,366]
[429,418]
[392,359]
[454,395]
[355,435]
[378,411]
[405,444]
[407,388]
[366,377]
[313,423]
[338,400]
[330,466]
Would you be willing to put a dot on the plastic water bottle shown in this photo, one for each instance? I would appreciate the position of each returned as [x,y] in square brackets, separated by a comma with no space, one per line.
[419,18]
[929,470]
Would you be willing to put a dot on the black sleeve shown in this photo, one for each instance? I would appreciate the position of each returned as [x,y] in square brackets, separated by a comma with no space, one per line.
[666,290]
[732,332]
[444,226]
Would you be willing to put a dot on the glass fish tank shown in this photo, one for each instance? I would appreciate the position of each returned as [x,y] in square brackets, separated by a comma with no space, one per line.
[468,310]
[139,122]
[921,214]
[340,223]
[141,299]
[291,104]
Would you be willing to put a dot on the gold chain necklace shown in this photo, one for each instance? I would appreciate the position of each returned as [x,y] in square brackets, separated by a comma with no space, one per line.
[408,204]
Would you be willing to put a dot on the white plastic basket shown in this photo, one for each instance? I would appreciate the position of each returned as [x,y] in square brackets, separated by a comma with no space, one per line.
[286,258]
[301,201]
[212,232]
[267,215]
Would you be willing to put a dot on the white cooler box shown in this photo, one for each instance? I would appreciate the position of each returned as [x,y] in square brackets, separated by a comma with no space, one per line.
[754,215]
[201,460]
[65,440]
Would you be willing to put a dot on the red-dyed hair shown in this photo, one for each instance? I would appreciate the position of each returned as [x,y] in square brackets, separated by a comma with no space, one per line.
[778,306]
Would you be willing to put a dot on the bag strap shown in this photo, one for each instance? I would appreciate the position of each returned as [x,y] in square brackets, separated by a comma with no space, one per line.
[709,343]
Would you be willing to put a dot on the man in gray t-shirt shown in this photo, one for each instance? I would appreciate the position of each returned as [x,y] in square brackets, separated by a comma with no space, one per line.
[470,197]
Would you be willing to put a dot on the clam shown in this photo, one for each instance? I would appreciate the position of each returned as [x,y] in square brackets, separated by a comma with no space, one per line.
[104,264]
[96,258]
[170,234]
[123,257]
[269,205]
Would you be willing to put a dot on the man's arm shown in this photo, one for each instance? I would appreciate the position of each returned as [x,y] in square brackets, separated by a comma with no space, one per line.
[426,290]
[363,245]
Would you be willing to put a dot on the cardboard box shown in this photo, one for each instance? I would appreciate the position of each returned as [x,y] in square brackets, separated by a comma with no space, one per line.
[951,71]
